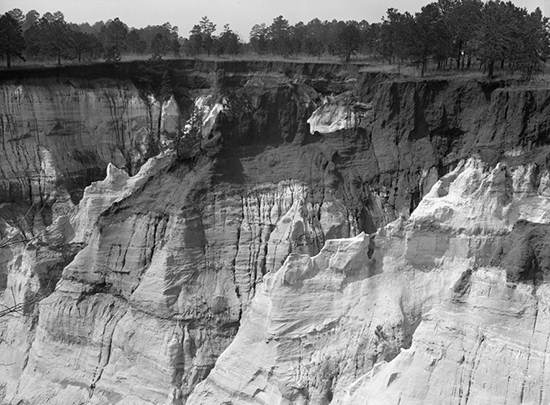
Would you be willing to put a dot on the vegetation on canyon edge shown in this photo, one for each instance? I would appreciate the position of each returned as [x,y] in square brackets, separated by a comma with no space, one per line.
[447,34]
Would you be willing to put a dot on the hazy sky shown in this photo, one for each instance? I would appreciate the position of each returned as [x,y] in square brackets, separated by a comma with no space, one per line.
[240,14]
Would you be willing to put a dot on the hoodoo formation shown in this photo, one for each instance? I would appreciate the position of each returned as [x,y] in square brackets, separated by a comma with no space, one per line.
[272,233]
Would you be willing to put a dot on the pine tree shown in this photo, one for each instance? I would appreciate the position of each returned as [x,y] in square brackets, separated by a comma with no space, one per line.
[12,43]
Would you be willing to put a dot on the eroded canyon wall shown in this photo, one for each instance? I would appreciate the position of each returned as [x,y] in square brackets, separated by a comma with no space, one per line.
[326,224]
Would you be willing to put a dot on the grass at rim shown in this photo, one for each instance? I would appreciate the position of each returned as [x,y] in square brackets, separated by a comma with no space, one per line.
[17,63]
[367,63]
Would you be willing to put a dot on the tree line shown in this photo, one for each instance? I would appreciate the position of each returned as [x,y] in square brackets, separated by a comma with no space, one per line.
[450,33]
[458,34]
[38,38]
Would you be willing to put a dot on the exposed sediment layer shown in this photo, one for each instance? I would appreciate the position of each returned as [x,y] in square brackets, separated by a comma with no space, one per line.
[317,247]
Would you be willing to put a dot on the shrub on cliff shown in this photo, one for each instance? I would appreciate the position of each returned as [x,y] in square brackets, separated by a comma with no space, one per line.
[188,137]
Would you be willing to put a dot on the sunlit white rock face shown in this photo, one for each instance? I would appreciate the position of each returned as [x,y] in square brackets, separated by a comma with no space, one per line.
[208,109]
[137,307]
[414,314]
[336,114]
[100,195]
[474,198]
[331,117]
[489,346]
[57,135]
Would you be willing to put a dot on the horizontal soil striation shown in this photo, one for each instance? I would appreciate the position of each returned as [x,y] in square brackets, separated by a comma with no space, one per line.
[413,126]
[266,139]
[458,118]
[58,135]
[435,123]
[525,253]
[414,132]
[77,119]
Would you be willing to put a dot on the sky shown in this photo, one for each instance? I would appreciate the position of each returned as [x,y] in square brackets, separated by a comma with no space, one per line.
[240,14]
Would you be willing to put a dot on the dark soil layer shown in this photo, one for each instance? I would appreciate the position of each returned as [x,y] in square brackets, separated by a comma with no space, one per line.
[525,253]
[377,168]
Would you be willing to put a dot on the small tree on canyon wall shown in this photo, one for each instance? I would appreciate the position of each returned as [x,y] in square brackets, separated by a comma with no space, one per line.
[188,137]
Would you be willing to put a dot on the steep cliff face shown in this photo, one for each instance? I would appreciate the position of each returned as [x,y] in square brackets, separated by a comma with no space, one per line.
[426,310]
[487,341]
[62,133]
[304,250]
